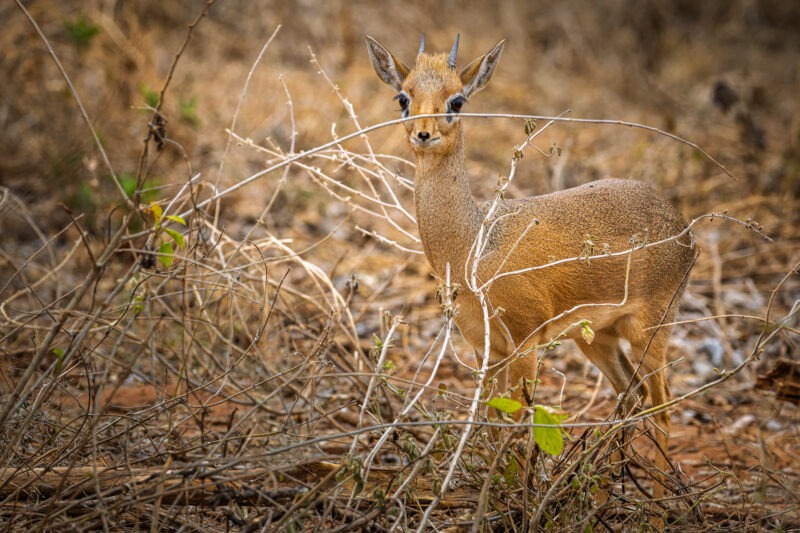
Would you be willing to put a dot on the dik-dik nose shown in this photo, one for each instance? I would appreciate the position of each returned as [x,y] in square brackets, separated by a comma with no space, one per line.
[423,136]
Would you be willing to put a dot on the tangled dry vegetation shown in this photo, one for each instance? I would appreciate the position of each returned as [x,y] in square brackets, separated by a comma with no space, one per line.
[214,313]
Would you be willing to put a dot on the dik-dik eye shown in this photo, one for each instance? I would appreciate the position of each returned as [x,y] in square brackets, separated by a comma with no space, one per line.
[455,103]
[403,99]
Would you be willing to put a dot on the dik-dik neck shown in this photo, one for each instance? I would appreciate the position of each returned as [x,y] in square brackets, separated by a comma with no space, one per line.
[447,214]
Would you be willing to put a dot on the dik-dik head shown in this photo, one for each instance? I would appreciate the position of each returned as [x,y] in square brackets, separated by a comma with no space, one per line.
[433,86]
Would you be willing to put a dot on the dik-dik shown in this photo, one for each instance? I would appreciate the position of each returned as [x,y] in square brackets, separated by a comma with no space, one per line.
[622,295]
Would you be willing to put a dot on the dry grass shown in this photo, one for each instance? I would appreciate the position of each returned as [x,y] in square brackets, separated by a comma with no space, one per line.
[291,368]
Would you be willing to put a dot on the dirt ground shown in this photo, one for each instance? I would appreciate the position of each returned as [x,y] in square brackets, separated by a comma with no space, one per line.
[190,342]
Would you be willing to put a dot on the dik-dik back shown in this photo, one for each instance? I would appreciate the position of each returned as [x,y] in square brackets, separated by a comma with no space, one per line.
[610,253]
[595,223]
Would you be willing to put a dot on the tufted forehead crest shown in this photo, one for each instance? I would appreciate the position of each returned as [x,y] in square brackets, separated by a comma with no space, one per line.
[432,73]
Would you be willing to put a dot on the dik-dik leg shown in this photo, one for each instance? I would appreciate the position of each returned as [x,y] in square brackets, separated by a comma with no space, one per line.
[651,350]
[607,355]
[514,373]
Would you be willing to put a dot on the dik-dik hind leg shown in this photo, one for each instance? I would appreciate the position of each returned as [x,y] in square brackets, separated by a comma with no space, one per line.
[652,351]
[607,355]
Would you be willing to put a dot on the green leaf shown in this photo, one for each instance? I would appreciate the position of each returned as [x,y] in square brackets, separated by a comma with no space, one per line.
[510,471]
[138,305]
[128,183]
[505,405]
[176,218]
[59,353]
[586,332]
[378,341]
[188,109]
[150,96]
[80,31]
[157,213]
[166,254]
[549,439]
[149,190]
[175,235]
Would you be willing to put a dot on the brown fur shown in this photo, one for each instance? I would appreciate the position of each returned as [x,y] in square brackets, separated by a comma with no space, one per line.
[556,226]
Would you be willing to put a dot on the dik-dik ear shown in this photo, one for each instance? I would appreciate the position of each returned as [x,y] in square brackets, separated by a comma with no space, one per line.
[389,68]
[476,75]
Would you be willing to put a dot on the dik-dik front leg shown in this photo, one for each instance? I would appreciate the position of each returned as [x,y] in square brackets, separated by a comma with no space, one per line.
[516,375]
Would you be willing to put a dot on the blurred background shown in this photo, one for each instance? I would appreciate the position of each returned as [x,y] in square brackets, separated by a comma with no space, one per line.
[721,74]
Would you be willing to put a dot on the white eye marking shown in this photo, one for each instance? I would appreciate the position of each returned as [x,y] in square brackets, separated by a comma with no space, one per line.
[454,104]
